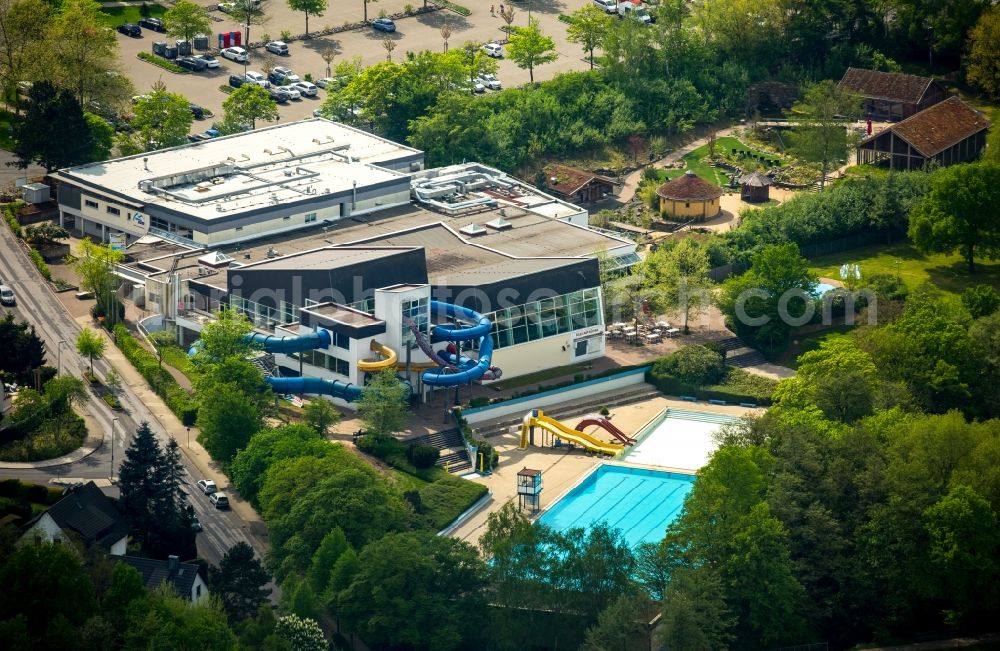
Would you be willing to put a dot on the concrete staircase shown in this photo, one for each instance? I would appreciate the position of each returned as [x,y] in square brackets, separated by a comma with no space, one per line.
[740,355]
[451,443]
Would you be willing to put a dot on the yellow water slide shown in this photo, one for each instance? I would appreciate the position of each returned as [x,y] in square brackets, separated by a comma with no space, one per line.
[566,433]
[373,365]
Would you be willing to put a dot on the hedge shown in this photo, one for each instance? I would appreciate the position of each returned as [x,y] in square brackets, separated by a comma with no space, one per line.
[458,9]
[159,379]
[736,387]
[41,265]
[162,63]
[10,217]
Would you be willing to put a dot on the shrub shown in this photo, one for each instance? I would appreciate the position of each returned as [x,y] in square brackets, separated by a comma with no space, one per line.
[693,365]
[379,446]
[41,265]
[981,300]
[160,380]
[286,35]
[407,9]
[162,63]
[479,401]
[421,455]
[605,411]
[110,400]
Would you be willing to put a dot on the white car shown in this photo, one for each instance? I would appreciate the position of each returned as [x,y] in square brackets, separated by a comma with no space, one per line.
[7,295]
[293,92]
[327,82]
[219,500]
[277,47]
[257,78]
[610,6]
[494,50]
[306,88]
[207,486]
[210,61]
[285,74]
[235,53]
[478,86]
[227,7]
[490,81]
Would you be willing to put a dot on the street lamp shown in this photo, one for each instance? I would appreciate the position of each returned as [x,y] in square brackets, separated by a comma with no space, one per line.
[59,345]
[113,421]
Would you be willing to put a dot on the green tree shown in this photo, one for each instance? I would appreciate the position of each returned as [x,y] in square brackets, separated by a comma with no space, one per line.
[224,338]
[303,634]
[186,19]
[53,131]
[983,69]
[24,350]
[245,106]
[681,274]
[22,29]
[528,47]
[269,446]
[588,26]
[103,135]
[321,415]
[382,405]
[91,345]
[981,300]
[81,51]
[239,582]
[984,338]
[169,622]
[695,613]
[343,572]
[416,589]
[820,135]
[44,235]
[126,587]
[330,550]
[227,418]
[314,7]
[95,264]
[64,391]
[622,625]
[162,119]
[959,215]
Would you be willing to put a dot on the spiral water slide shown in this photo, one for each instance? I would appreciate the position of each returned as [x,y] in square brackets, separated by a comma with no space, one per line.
[454,369]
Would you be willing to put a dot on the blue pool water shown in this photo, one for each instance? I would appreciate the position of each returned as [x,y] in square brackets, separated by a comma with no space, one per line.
[821,289]
[639,502]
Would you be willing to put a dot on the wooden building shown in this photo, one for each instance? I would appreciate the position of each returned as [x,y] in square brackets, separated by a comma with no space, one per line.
[576,185]
[949,132]
[755,187]
[689,198]
[892,96]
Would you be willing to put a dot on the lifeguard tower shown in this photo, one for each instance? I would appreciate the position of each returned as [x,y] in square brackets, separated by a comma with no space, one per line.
[529,489]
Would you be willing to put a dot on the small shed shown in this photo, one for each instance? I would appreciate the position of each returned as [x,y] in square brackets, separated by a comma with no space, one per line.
[755,187]
[35,193]
[573,184]
[689,198]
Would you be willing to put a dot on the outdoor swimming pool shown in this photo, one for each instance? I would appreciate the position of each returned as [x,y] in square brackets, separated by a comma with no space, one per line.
[639,502]
[678,438]
[822,289]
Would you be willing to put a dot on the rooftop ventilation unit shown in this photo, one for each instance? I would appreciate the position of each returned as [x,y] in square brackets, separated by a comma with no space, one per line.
[472,230]
[216,180]
[499,224]
[271,253]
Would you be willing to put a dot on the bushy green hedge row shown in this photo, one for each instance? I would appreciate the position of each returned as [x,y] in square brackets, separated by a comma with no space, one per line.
[161,381]
[458,9]
[9,216]
[41,265]
[162,63]
[735,385]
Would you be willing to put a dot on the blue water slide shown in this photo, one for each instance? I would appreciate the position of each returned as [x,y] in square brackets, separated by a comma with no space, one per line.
[315,385]
[469,370]
[291,343]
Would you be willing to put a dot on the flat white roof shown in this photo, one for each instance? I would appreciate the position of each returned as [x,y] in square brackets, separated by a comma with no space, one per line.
[219,177]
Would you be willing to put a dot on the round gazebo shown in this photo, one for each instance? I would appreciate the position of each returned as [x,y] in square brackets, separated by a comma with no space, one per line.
[689,198]
[754,187]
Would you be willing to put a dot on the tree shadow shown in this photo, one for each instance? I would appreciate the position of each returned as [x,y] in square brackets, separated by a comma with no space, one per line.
[322,43]
[956,277]
[439,18]
[539,7]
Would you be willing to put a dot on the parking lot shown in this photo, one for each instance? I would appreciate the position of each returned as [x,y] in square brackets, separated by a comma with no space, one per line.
[414,33]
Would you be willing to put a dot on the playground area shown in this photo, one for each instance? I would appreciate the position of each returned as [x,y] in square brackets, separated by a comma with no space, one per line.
[672,448]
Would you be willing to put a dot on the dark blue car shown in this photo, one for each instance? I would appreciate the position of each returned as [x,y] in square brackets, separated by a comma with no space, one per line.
[384,25]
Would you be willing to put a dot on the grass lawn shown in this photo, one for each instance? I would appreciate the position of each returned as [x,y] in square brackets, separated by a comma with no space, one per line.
[444,497]
[541,376]
[947,272]
[715,175]
[115,16]
[179,359]
[809,341]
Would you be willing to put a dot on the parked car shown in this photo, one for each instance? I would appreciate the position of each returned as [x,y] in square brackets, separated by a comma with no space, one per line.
[191,63]
[258,78]
[282,76]
[207,486]
[227,7]
[478,86]
[306,88]
[154,24]
[237,80]
[197,111]
[383,25]
[280,95]
[328,83]
[632,10]
[210,61]
[490,81]
[610,6]
[196,524]
[219,500]
[235,53]
[494,50]
[7,295]
[277,47]
[130,29]
[293,92]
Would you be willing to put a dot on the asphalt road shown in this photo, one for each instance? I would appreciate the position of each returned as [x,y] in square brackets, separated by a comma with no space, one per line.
[414,33]
[39,306]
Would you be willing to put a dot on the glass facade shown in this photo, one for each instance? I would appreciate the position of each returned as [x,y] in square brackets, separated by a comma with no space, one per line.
[547,318]
[263,316]
[322,360]
[418,312]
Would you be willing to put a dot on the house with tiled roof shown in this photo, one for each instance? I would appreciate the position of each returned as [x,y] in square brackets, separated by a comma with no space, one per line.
[892,96]
[86,514]
[579,186]
[689,198]
[184,577]
[949,132]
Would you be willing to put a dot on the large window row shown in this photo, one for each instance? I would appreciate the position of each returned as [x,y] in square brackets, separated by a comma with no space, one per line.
[418,312]
[547,318]
[322,360]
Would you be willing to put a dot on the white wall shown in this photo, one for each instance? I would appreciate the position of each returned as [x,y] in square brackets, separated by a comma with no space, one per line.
[199,590]
[45,530]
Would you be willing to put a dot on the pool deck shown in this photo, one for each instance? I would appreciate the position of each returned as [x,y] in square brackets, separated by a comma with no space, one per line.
[562,468]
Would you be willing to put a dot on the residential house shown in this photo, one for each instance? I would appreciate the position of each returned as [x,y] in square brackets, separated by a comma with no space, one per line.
[86,513]
[184,577]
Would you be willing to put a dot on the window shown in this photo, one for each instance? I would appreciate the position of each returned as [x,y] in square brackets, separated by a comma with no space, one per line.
[310,217]
[342,367]
[89,203]
[111,210]
[417,312]
[341,340]
[197,591]
[687,204]
[547,318]
[157,222]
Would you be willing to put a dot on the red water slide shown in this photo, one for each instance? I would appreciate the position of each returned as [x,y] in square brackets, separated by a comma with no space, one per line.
[607,425]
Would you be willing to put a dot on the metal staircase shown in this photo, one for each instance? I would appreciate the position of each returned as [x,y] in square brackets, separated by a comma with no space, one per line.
[451,443]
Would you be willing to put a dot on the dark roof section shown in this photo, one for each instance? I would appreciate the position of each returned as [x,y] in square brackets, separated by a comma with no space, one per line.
[891,86]
[155,572]
[689,186]
[755,180]
[939,127]
[568,180]
[87,511]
